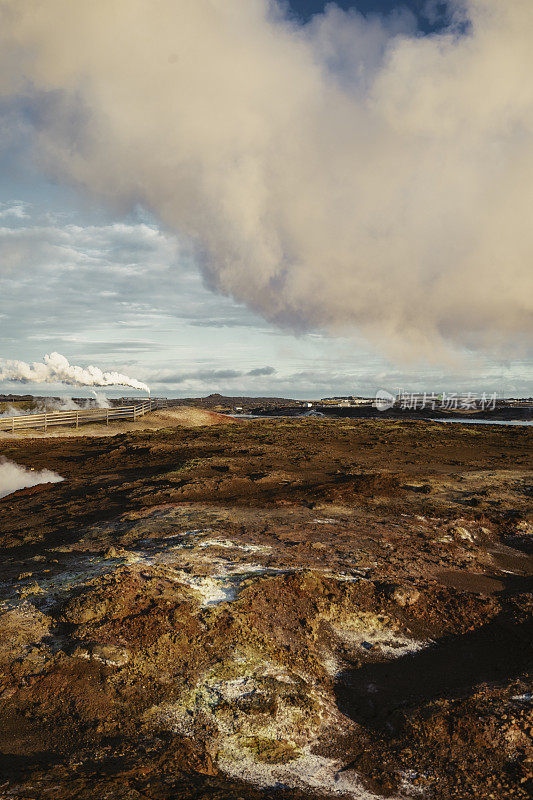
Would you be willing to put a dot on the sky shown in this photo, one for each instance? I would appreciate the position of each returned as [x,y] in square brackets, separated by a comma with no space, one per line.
[290,201]
[430,17]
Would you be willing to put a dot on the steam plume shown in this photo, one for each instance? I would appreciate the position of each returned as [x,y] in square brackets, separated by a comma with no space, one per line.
[101,400]
[349,173]
[14,477]
[56,369]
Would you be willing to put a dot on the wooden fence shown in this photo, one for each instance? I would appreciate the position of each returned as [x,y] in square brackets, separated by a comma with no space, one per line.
[78,417]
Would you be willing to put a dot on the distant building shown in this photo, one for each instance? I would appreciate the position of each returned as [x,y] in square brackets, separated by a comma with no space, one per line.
[347,400]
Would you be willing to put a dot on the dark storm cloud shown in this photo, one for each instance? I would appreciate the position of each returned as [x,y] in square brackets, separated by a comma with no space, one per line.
[208,375]
[262,371]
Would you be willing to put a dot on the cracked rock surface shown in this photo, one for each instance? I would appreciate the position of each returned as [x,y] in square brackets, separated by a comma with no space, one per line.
[304,608]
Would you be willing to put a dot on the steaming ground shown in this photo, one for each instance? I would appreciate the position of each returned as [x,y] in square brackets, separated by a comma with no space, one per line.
[52,404]
[232,610]
[14,477]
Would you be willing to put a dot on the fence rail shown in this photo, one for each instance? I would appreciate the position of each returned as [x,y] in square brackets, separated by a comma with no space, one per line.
[78,417]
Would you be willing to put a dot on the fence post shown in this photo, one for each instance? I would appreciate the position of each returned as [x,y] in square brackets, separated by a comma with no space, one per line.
[45,420]
[13,425]
[77,419]
[107,416]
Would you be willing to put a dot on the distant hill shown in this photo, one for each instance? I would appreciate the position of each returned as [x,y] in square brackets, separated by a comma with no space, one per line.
[223,402]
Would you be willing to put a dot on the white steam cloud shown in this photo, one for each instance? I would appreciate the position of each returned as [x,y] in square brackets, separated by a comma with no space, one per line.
[55,368]
[101,400]
[54,404]
[346,173]
[14,477]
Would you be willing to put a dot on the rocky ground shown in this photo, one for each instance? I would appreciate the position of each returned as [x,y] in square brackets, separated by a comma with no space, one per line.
[269,608]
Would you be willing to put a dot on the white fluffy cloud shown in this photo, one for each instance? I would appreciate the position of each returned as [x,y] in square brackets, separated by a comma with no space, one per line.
[59,275]
[345,174]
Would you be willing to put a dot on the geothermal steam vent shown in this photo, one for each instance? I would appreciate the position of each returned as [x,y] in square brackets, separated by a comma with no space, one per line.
[14,477]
